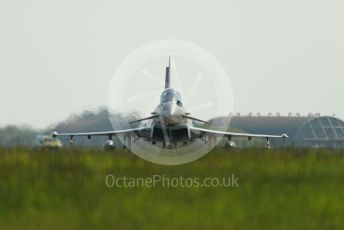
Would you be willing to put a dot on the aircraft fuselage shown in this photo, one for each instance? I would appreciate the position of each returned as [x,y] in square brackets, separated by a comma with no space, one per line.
[171,122]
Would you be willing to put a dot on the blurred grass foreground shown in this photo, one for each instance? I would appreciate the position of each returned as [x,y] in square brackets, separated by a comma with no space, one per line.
[278,189]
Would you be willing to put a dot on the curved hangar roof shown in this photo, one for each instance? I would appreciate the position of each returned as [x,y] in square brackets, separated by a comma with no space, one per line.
[320,131]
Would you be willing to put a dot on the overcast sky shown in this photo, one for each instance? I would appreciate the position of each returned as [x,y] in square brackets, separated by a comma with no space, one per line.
[58,57]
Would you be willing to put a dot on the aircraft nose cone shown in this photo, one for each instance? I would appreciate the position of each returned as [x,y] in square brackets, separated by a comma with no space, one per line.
[172,113]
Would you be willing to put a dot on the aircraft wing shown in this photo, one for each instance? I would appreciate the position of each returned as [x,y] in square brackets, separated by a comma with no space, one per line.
[103,133]
[232,134]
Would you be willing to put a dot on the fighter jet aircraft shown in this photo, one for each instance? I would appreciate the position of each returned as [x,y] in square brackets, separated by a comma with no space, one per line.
[170,123]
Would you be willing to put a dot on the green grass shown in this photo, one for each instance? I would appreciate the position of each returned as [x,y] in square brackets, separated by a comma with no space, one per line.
[278,189]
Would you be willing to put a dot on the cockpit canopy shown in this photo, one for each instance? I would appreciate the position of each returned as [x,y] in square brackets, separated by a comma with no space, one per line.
[171,95]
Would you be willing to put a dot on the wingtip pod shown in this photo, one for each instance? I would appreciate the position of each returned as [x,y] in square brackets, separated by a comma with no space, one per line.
[284,136]
[54,134]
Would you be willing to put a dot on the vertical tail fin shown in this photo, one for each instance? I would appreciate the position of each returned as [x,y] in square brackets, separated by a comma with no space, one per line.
[168,76]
